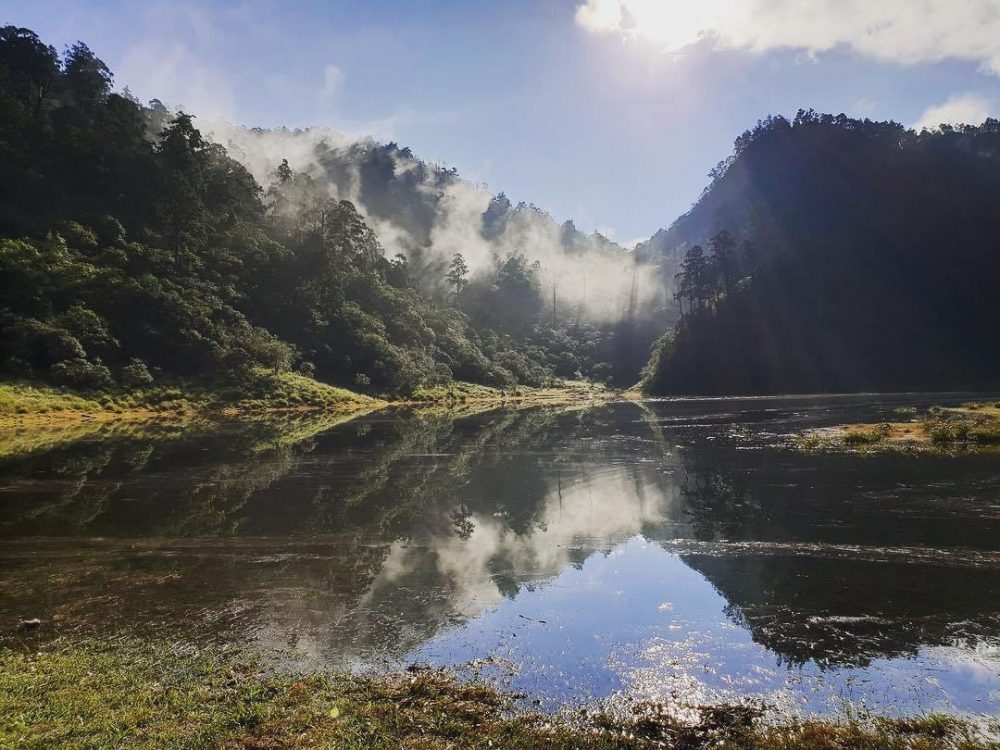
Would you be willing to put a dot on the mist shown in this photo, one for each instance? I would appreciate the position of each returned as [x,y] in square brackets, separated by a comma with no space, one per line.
[428,214]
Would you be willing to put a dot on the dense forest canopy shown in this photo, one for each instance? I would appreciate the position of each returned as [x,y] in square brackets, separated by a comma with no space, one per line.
[833,254]
[134,248]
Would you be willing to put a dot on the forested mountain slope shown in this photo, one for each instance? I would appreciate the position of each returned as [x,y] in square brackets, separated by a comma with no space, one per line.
[832,254]
[428,213]
[134,249]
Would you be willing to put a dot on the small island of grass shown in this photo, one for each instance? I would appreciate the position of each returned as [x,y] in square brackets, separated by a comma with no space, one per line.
[970,427]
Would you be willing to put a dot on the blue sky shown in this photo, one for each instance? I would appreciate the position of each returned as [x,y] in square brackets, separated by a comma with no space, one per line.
[610,112]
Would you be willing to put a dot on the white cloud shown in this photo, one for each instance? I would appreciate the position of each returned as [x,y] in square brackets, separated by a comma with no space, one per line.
[900,31]
[600,15]
[634,243]
[960,109]
[332,78]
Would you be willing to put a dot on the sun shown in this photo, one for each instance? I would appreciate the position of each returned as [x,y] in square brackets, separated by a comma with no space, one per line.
[676,24]
[671,24]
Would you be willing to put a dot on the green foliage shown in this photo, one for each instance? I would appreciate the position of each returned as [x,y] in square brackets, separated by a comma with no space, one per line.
[660,354]
[458,276]
[256,390]
[130,245]
[136,375]
[79,373]
[509,299]
[970,427]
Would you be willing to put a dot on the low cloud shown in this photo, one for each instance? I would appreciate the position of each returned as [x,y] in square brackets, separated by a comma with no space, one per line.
[898,31]
[591,279]
[960,109]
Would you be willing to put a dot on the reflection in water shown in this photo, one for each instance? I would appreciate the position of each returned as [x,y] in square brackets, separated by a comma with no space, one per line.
[666,549]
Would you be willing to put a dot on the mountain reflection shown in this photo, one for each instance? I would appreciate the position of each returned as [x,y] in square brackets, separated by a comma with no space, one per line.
[346,543]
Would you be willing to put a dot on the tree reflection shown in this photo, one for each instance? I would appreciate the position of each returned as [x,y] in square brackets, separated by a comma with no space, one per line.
[350,540]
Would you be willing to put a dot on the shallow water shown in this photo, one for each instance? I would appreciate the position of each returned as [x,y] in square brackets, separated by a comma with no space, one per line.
[678,550]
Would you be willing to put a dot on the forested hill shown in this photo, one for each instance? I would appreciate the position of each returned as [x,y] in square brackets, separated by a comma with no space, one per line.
[832,254]
[427,213]
[135,249]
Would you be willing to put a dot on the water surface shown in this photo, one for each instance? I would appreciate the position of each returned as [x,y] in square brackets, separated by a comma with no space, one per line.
[678,550]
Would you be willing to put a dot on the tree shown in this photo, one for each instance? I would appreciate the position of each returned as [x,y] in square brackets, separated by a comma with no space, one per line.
[724,268]
[182,155]
[283,173]
[514,302]
[458,276]
[86,78]
[398,272]
[29,69]
[694,280]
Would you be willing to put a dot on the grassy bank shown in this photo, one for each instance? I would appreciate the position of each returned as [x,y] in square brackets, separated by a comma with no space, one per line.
[36,403]
[571,391]
[132,693]
[972,426]
[32,404]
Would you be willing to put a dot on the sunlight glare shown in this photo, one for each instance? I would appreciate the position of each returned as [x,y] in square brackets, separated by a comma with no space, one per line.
[674,24]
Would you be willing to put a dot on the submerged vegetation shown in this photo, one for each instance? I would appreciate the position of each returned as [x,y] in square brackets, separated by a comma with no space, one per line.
[125,692]
[972,426]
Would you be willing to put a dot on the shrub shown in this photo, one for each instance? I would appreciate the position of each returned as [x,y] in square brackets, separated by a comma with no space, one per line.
[859,436]
[136,375]
[78,236]
[79,373]
[40,345]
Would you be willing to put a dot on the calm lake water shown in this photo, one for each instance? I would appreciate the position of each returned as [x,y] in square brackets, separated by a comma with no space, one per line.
[679,550]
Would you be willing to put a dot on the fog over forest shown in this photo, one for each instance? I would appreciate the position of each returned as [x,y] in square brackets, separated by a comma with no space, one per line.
[428,213]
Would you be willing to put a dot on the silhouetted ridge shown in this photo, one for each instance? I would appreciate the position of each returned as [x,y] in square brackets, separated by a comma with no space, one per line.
[864,256]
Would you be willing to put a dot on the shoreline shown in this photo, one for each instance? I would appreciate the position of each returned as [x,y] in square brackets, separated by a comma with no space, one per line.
[26,406]
[146,692]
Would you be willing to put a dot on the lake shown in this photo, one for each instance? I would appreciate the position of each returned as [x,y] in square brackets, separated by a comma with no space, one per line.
[680,550]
